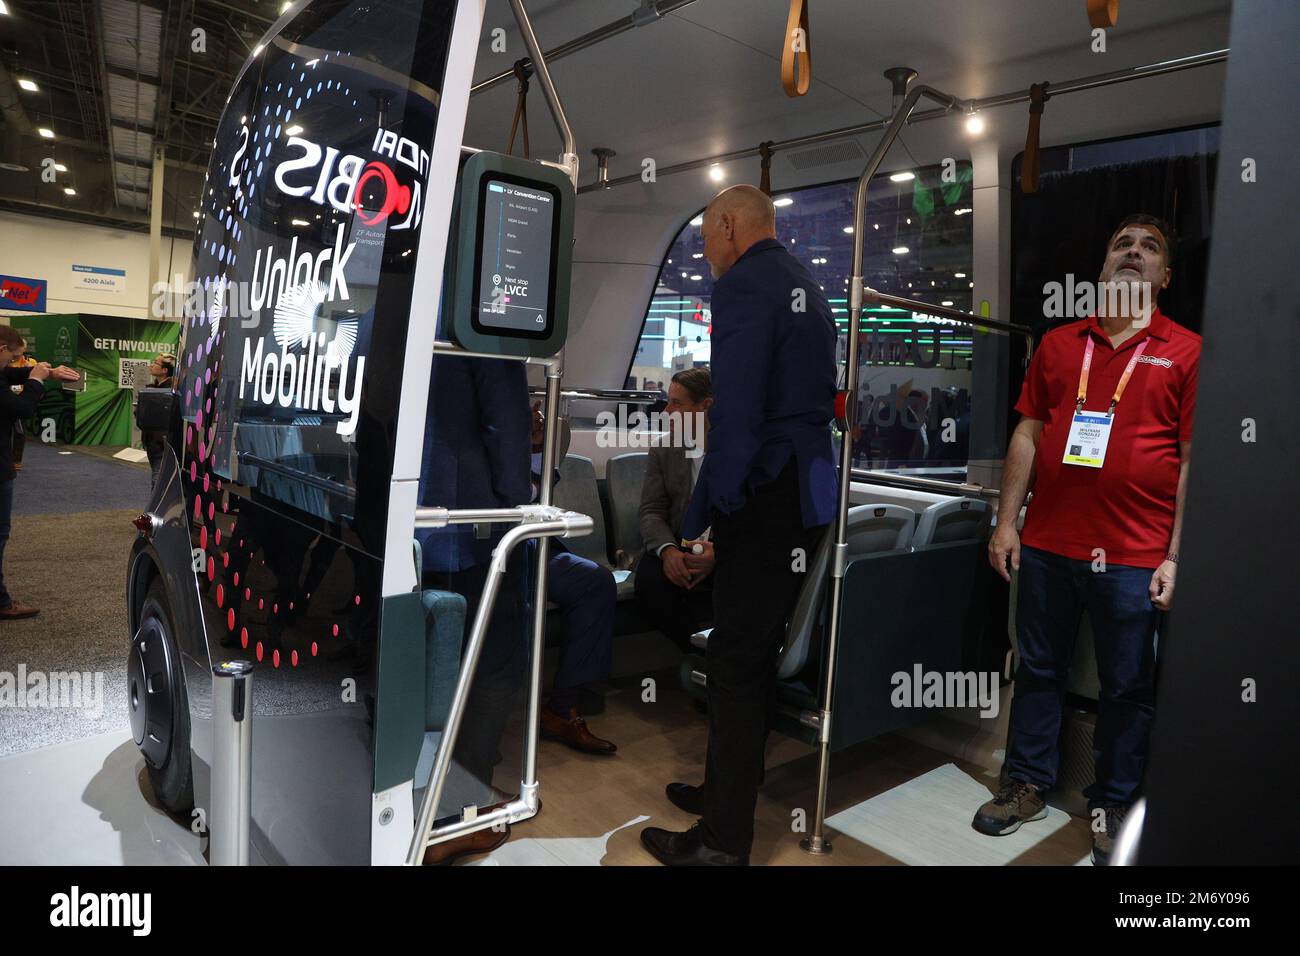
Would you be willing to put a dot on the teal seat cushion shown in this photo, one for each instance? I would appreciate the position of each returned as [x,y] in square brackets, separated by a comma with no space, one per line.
[444,630]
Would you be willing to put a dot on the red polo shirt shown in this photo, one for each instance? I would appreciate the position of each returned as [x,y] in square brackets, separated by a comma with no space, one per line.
[1127,506]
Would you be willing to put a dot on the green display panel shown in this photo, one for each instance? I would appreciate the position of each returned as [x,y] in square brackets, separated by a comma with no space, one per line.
[511,258]
[106,349]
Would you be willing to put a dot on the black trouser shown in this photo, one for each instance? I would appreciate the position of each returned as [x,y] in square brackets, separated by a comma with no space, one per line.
[677,612]
[755,587]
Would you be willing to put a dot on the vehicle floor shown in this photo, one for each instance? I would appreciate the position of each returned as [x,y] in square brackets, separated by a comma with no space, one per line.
[892,801]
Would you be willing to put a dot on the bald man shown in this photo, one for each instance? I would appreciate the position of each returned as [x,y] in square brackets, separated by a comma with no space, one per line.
[767,491]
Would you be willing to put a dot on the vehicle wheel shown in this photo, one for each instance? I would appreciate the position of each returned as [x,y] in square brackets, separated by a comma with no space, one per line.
[160,716]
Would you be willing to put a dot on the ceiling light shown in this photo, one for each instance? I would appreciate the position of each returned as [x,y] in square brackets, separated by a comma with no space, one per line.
[909,221]
[875,225]
[946,302]
[287,4]
[849,230]
[901,251]
[46,132]
[60,168]
[902,177]
[959,275]
[698,221]
[196,214]
[29,85]
[715,173]
[974,124]
[4,10]
[783,201]
[972,285]
[301,222]
[69,191]
[697,255]
[964,211]
[293,130]
[696,277]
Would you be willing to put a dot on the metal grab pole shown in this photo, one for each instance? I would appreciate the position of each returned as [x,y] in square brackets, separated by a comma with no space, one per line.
[232,768]
[816,841]
[569,158]
[567,524]
[528,783]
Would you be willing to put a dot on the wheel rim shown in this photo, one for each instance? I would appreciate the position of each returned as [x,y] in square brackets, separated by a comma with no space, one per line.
[150,693]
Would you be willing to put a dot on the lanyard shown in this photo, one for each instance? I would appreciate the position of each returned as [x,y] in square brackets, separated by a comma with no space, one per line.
[1123,379]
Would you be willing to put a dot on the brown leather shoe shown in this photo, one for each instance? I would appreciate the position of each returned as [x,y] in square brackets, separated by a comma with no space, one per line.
[16,611]
[482,841]
[572,731]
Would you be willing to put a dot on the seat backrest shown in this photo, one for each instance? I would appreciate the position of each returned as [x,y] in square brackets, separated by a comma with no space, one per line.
[871,528]
[625,474]
[957,519]
[444,633]
[577,491]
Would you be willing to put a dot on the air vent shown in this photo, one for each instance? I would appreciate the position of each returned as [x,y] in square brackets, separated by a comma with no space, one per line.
[827,154]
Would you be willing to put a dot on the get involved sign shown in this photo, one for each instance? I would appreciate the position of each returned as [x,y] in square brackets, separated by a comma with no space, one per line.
[26,295]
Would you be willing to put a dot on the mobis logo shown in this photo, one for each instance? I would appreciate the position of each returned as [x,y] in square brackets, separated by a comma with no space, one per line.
[352,183]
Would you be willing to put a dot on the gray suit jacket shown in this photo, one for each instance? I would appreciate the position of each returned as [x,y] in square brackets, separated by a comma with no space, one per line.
[664,497]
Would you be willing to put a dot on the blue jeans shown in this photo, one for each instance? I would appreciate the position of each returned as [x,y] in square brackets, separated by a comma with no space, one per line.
[6,514]
[1053,593]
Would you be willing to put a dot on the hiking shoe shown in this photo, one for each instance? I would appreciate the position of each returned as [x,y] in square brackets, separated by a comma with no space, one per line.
[1016,803]
[1103,841]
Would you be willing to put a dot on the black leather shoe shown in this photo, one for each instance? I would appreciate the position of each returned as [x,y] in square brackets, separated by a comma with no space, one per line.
[686,797]
[686,849]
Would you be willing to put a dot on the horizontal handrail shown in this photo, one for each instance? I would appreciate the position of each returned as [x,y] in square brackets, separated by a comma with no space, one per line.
[922,484]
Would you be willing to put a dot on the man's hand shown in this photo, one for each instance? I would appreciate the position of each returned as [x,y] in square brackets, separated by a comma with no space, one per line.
[1162,585]
[1004,543]
[40,371]
[539,426]
[700,565]
[675,568]
[65,374]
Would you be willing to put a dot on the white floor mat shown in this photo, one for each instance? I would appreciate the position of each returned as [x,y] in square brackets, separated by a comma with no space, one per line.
[926,822]
[554,851]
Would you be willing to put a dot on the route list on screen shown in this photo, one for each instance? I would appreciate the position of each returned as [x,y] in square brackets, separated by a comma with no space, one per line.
[515,257]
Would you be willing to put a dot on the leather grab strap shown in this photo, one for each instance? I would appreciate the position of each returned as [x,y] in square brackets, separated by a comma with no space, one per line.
[522,72]
[765,176]
[1029,168]
[792,57]
[1103,14]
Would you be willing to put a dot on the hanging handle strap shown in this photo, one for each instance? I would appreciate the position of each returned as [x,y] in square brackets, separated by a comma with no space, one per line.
[1029,169]
[765,162]
[1103,14]
[522,71]
[797,51]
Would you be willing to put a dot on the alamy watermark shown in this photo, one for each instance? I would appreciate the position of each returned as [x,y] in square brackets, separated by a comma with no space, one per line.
[1079,300]
[651,430]
[74,690]
[945,689]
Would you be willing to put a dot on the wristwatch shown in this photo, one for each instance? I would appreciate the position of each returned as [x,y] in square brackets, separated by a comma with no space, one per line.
[1172,556]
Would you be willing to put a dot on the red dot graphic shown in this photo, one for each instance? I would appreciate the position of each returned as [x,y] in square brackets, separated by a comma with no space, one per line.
[243,637]
[194,471]
[236,579]
[293,658]
[313,648]
[225,559]
[221,595]
[358,601]
[275,658]
[275,608]
[212,569]
[212,513]
[230,619]
[248,594]
[203,537]
[218,536]
[260,604]
[259,650]
[336,630]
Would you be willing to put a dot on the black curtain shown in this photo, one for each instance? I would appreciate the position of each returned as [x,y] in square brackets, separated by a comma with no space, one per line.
[1063,228]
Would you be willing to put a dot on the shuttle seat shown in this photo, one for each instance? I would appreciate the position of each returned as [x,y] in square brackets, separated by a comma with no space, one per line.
[577,491]
[957,519]
[624,475]
[871,529]
[444,617]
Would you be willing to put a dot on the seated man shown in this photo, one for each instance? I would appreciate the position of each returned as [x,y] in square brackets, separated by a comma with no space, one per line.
[585,594]
[670,580]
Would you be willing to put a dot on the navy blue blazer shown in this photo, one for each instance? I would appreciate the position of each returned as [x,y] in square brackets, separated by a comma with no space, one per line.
[477,433]
[774,378]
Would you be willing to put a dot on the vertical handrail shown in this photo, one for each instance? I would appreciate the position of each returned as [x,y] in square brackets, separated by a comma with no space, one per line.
[816,841]
[570,155]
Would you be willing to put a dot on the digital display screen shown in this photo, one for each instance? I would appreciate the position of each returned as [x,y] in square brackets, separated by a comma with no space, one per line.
[515,256]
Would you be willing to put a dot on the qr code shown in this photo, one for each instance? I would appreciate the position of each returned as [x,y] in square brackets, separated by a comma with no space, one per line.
[133,373]
[1076,449]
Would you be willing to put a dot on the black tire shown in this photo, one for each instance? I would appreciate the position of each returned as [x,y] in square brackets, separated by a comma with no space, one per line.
[159,706]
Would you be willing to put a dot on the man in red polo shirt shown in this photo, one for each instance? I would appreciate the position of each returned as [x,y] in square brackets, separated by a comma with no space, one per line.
[1104,440]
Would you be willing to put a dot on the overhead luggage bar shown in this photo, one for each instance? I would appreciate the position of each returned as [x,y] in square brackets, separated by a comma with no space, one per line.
[871,296]
[989,102]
